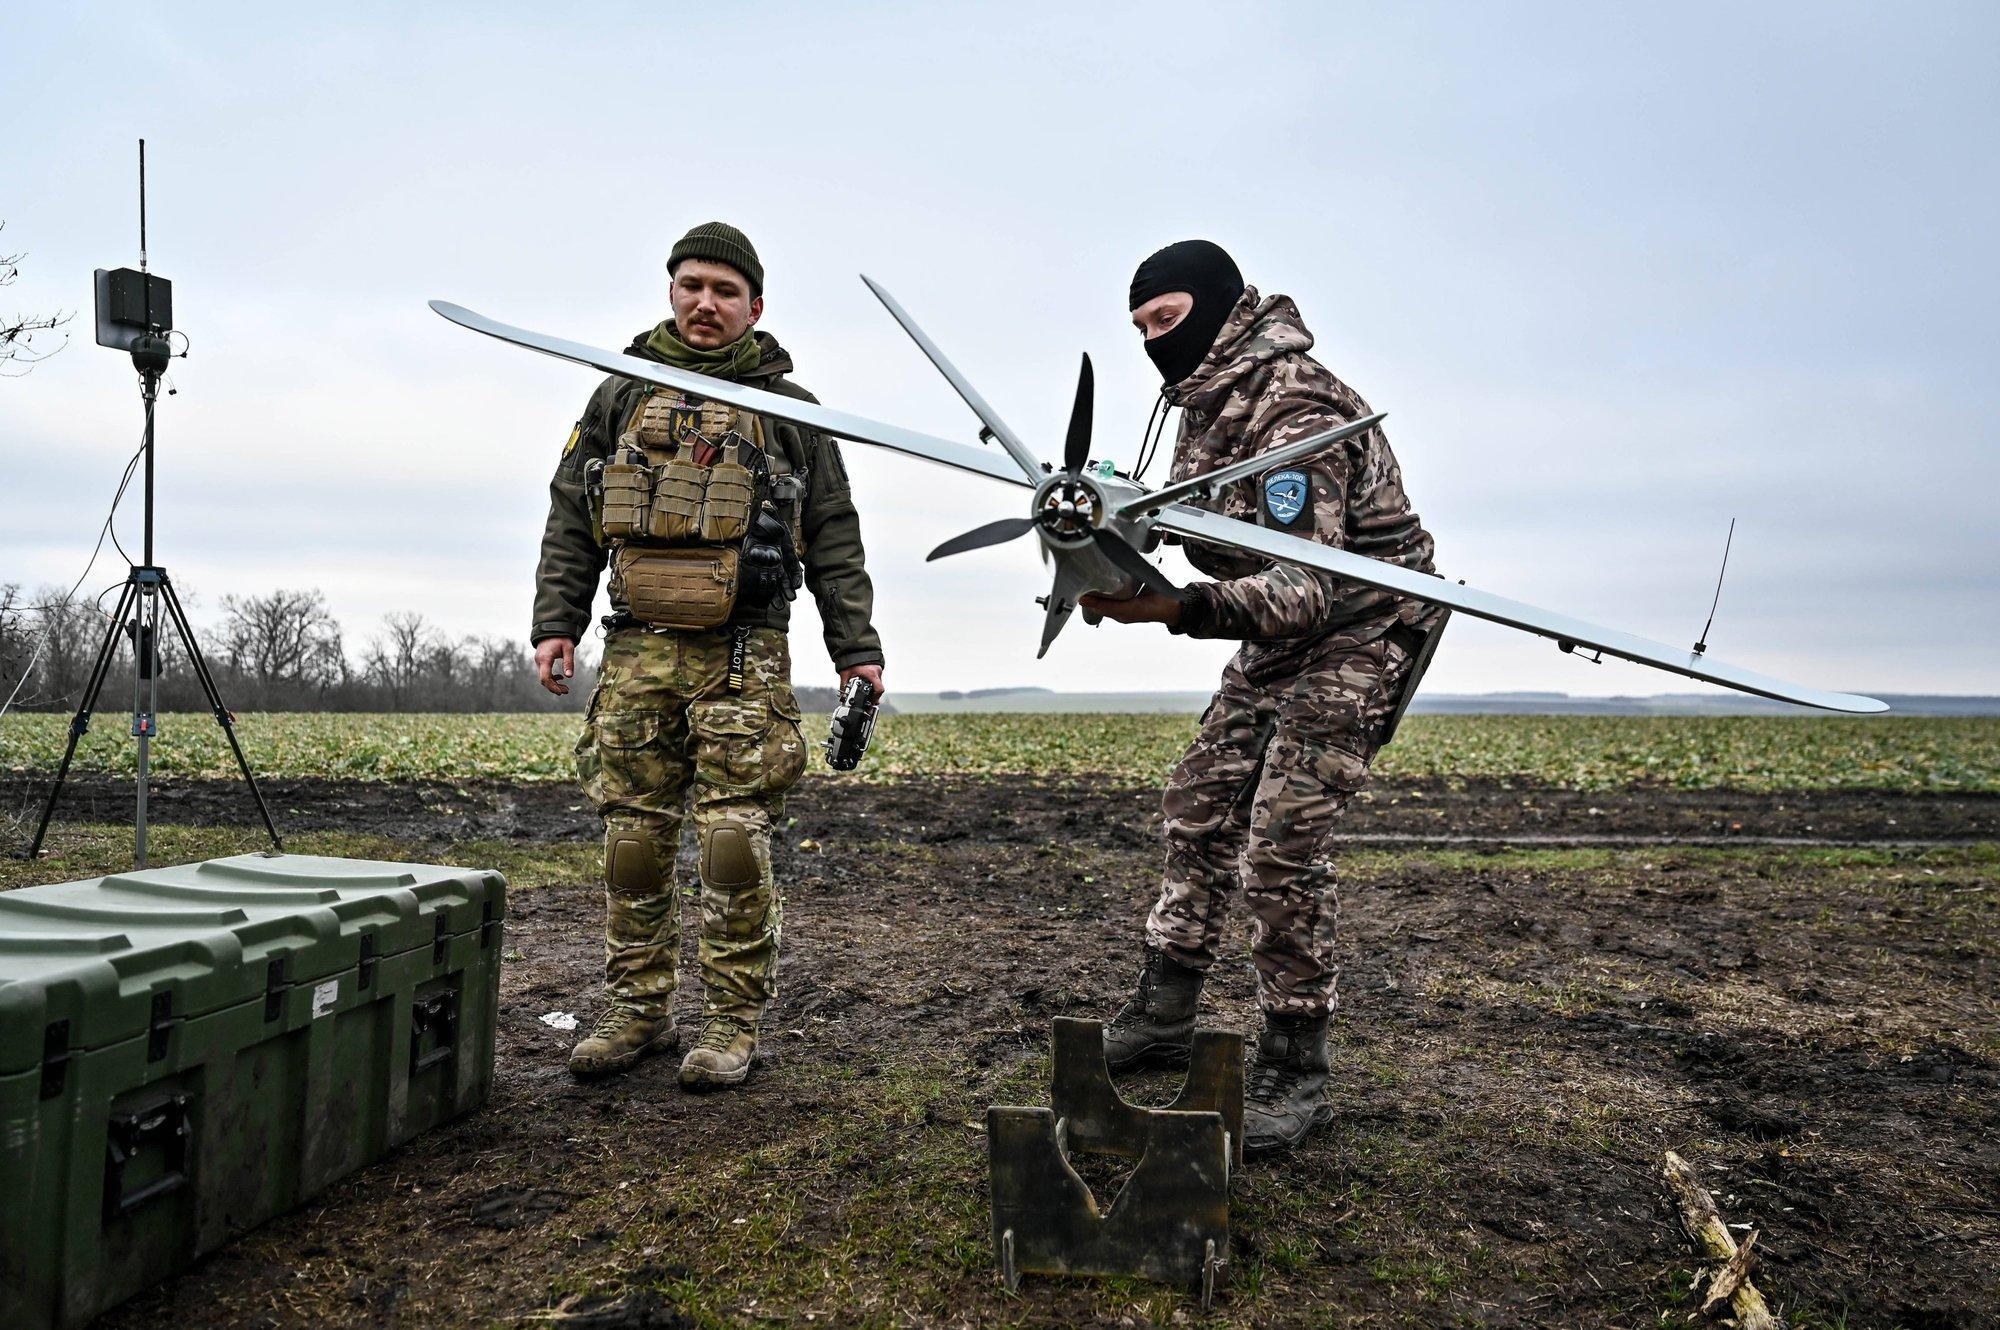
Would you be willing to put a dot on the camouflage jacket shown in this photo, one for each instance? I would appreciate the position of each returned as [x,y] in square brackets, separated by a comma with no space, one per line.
[573,558]
[1257,389]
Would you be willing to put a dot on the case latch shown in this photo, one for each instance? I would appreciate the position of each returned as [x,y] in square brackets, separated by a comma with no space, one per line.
[160,1030]
[275,980]
[55,1058]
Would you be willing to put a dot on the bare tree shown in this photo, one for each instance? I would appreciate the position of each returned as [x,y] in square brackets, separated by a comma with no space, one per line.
[491,665]
[397,659]
[283,641]
[75,625]
[281,651]
[17,333]
[17,641]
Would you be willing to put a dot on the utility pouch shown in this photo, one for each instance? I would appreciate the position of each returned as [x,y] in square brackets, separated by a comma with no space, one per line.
[685,587]
[731,494]
[628,494]
[677,496]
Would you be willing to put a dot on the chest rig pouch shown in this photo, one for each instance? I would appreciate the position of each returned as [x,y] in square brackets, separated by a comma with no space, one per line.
[674,501]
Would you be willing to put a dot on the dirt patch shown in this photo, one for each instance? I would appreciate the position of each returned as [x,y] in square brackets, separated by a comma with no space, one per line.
[1522,1033]
[1021,809]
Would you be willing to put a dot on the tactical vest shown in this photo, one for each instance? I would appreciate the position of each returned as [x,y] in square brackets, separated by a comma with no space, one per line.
[675,500]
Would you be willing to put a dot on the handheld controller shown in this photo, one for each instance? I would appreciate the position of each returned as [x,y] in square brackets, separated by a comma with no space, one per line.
[853,724]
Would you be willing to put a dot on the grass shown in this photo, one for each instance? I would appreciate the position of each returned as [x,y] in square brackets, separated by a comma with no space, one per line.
[1907,754]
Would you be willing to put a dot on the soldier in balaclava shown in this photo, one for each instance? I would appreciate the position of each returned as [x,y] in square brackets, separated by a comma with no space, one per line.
[1302,706]
[709,520]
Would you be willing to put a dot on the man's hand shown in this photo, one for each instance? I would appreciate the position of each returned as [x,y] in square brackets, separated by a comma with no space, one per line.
[1146,607]
[872,673]
[550,652]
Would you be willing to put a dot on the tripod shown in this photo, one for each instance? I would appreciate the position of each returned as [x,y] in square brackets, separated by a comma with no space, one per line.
[147,591]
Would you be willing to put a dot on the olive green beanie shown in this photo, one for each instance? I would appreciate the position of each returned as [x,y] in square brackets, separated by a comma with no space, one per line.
[721,243]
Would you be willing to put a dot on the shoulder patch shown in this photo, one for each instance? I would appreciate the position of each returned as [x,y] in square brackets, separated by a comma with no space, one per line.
[1285,495]
[575,433]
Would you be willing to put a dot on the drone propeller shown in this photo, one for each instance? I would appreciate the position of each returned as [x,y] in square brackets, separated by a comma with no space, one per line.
[993,533]
[1076,448]
[1114,547]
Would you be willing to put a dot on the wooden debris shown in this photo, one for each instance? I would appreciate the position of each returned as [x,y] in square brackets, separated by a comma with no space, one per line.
[1704,1224]
[1722,1285]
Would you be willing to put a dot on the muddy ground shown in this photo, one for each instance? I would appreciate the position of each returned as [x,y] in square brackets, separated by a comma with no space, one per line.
[1391,813]
[1524,1029]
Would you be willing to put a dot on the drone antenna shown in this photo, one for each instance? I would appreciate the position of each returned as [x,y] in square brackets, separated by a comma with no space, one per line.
[1701,645]
[145,287]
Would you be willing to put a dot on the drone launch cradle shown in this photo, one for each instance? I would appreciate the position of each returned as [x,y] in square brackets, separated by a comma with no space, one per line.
[1170,1221]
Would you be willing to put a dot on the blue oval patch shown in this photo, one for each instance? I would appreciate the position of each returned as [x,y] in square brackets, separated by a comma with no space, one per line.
[1285,495]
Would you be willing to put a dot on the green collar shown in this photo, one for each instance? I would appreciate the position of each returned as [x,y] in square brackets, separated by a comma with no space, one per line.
[725,362]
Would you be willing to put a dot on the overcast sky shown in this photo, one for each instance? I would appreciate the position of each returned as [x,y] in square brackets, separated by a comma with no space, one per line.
[1617,276]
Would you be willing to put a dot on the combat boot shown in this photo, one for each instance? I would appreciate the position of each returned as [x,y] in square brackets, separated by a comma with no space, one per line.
[1284,1096]
[621,1037]
[1157,1024]
[721,1057]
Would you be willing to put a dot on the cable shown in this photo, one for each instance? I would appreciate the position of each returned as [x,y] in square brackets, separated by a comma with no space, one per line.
[1150,441]
[48,632]
[1701,643]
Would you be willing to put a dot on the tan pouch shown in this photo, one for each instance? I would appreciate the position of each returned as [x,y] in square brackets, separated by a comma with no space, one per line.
[628,493]
[725,504]
[692,587]
[677,490]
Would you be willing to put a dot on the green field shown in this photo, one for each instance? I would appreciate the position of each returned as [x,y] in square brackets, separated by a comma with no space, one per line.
[1941,754]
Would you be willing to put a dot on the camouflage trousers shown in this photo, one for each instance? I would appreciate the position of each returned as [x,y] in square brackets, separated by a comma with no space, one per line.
[668,740]
[1253,802]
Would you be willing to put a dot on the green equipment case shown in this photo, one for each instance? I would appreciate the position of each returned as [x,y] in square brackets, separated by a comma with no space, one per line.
[186,1052]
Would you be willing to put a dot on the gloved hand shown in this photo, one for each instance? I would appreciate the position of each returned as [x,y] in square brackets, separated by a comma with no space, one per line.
[769,568]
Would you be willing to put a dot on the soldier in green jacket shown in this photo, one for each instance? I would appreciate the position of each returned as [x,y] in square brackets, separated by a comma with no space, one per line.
[709,520]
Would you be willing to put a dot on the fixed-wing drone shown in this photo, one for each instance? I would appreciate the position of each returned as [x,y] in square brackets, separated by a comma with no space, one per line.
[1097,525]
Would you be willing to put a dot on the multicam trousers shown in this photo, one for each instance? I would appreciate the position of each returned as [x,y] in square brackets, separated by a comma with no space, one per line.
[1254,800]
[666,732]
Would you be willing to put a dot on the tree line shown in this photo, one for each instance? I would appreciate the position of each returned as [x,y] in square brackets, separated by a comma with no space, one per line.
[283,651]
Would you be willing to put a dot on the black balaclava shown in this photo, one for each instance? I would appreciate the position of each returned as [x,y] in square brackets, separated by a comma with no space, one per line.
[1205,271]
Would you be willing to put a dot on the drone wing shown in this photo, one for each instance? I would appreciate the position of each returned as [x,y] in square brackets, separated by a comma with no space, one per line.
[994,427]
[1568,633]
[840,424]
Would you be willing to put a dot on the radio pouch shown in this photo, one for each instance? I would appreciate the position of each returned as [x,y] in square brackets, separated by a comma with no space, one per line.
[628,494]
[730,495]
[678,486]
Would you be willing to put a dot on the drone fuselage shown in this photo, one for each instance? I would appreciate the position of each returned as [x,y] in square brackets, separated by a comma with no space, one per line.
[1067,509]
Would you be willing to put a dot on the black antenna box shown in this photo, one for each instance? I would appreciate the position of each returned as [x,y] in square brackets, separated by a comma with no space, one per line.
[131,304]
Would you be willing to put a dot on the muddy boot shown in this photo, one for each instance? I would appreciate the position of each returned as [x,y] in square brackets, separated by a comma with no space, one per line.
[621,1037]
[1157,1024]
[721,1057]
[1284,1096]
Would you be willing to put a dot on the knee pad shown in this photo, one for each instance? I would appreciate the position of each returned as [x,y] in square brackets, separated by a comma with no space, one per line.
[727,861]
[630,866]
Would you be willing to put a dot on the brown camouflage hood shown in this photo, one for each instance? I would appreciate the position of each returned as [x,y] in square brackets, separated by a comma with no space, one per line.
[1263,341]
